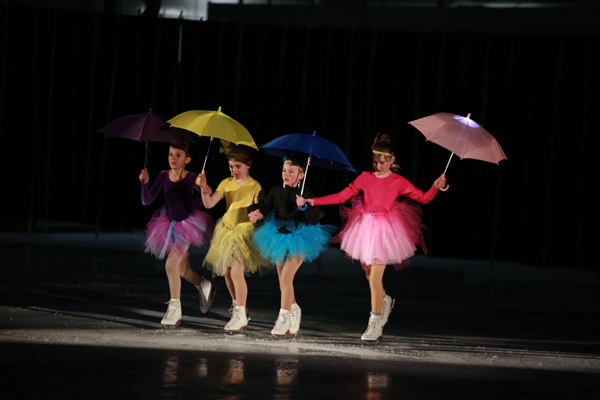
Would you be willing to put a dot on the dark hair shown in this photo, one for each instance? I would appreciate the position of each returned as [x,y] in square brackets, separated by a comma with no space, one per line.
[240,153]
[182,147]
[383,148]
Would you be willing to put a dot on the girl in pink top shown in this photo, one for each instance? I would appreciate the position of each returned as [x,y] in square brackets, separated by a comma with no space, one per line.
[379,230]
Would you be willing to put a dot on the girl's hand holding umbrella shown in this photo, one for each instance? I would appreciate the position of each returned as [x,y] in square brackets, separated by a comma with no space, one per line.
[144,177]
[440,183]
[201,181]
[301,201]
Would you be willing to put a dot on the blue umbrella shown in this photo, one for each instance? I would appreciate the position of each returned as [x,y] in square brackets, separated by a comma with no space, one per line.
[321,152]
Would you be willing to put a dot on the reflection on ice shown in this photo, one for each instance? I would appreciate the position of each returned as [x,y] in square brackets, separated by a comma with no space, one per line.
[287,369]
[235,376]
[171,366]
[202,368]
[375,383]
[236,372]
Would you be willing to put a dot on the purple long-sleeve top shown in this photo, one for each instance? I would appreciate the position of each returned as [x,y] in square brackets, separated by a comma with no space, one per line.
[178,195]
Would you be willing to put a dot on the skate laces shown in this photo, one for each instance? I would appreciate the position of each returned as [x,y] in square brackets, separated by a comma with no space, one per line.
[174,304]
[237,314]
[281,320]
[373,321]
[296,314]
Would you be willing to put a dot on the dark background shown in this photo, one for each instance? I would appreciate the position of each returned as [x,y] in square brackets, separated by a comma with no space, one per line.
[65,74]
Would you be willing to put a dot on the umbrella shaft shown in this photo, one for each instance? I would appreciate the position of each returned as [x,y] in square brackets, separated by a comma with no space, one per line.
[207,151]
[305,175]
[448,163]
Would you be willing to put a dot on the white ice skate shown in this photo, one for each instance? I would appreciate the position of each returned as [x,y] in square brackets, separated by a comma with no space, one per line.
[374,331]
[172,317]
[206,291]
[386,309]
[296,313]
[238,321]
[232,308]
[283,324]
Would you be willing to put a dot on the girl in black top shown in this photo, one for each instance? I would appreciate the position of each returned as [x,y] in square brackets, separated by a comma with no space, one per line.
[289,237]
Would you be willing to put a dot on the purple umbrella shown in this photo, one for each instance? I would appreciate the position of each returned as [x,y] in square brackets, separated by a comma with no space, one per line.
[146,127]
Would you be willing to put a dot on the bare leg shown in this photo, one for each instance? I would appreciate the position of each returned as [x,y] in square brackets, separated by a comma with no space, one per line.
[286,281]
[174,260]
[375,277]
[229,282]
[187,273]
[239,282]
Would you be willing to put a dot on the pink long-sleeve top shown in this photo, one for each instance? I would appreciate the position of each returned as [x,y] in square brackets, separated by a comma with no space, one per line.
[380,193]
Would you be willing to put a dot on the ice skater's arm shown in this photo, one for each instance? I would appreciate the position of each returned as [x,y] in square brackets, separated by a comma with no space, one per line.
[149,194]
[209,199]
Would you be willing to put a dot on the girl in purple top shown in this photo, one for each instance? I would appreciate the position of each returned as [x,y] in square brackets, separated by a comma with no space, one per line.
[378,229]
[178,224]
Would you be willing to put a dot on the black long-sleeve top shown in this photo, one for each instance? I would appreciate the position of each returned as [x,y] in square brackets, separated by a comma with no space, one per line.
[284,200]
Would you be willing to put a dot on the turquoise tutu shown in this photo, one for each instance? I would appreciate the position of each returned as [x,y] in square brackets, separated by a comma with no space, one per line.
[305,240]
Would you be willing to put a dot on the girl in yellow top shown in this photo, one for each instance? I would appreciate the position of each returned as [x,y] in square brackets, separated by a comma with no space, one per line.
[231,253]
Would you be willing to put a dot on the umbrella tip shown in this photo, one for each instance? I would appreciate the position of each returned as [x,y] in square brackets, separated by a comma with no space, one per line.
[150,112]
[314,133]
[219,109]
[468,115]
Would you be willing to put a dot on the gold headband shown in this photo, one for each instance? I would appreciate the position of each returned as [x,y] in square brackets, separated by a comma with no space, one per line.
[383,153]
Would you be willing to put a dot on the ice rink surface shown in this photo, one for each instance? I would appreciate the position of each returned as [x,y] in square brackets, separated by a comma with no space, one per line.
[80,318]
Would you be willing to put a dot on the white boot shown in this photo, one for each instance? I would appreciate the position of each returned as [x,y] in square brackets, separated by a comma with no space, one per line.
[206,292]
[172,317]
[238,321]
[283,323]
[386,309]
[296,312]
[374,330]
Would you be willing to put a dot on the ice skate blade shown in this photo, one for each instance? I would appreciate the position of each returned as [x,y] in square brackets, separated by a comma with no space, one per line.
[281,337]
[241,331]
[171,326]
[371,342]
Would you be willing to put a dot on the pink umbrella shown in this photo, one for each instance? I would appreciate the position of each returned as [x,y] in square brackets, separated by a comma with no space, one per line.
[460,135]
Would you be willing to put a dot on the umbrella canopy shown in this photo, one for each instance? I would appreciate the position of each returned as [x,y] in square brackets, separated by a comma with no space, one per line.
[146,127]
[461,135]
[321,152]
[213,124]
[324,154]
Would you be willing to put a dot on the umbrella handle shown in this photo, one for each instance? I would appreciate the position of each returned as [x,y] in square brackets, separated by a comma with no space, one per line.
[304,207]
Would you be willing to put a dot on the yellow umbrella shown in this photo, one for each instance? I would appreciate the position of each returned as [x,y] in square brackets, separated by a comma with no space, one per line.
[213,124]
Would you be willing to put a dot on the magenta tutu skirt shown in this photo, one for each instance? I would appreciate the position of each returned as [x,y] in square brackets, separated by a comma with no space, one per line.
[163,235]
[382,238]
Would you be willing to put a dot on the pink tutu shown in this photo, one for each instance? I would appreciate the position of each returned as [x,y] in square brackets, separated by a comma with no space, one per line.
[163,235]
[381,237]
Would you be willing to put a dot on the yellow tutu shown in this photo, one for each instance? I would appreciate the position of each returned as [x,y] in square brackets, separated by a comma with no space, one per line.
[231,243]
